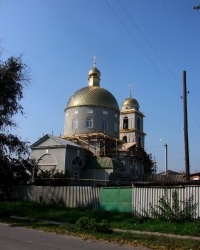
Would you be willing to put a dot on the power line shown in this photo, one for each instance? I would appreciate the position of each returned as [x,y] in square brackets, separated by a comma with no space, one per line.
[124,26]
[142,34]
[155,52]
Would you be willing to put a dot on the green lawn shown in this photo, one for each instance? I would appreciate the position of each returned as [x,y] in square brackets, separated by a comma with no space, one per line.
[127,221]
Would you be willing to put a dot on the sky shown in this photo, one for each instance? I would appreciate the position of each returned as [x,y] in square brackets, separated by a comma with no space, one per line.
[145,43]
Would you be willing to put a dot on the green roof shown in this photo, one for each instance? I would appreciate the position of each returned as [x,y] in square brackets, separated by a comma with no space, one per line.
[105,163]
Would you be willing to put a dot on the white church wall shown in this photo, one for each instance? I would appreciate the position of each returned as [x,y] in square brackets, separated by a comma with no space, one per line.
[56,158]
[98,115]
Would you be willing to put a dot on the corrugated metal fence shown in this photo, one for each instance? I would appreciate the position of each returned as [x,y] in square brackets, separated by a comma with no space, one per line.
[86,196]
[143,197]
[71,196]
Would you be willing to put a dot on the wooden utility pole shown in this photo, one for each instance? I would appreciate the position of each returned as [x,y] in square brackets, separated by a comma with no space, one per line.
[187,164]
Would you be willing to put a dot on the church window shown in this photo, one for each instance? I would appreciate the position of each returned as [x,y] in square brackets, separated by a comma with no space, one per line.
[124,139]
[77,161]
[139,141]
[105,112]
[90,111]
[115,127]
[116,115]
[104,125]
[125,123]
[138,124]
[76,175]
[76,112]
[89,123]
[74,124]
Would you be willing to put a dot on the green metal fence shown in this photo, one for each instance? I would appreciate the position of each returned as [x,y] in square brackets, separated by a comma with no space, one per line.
[116,199]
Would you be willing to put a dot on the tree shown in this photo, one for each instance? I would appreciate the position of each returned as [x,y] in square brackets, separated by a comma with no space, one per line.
[196,7]
[51,177]
[16,167]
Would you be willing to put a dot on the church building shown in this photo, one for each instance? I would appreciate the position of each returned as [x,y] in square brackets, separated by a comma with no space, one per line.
[100,141]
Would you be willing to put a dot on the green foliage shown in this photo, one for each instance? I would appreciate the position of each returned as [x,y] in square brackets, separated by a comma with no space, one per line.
[196,7]
[16,167]
[177,210]
[87,224]
[55,203]
[124,221]
[51,177]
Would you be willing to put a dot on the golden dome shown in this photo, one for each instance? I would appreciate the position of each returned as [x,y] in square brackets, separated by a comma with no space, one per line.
[93,96]
[94,71]
[130,103]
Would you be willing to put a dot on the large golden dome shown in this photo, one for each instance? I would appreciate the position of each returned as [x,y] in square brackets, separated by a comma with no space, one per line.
[93,96]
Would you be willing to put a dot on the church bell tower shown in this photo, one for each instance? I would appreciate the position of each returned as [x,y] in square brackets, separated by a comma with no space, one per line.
[131,122]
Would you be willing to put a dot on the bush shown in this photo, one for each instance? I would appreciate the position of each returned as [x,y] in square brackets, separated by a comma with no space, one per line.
[51,177]
[84,223]
[2,196]
[177,210]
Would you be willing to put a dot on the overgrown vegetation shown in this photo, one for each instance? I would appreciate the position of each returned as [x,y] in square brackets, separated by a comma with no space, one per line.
[178,211]
[51,177]
[125,221]
[91,225]
[83,217]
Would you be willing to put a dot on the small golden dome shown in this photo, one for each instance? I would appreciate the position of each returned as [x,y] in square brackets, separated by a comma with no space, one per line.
[130,103]
[93,96]
[94,72]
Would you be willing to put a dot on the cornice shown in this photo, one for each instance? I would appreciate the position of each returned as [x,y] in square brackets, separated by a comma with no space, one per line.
[130,130]
[130,111]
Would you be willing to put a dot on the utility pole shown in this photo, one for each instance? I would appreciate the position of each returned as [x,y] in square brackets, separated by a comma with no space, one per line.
[166,156]
[187,164]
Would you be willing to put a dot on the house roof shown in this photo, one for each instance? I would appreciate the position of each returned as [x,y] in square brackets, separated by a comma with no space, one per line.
[57,139]
[169,172]
[105,163]
[195,174]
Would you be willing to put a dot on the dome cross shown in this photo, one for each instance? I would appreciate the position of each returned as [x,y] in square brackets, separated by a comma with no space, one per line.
[130,86]
[95,60]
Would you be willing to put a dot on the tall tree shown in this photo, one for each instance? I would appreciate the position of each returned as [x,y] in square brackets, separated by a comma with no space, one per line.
[16,166]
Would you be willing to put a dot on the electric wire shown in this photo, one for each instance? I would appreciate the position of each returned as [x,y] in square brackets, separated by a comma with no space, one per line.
[155,52]
[142,34]
[145,54]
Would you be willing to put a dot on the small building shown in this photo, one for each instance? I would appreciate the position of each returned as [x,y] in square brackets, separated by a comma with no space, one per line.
[195,176]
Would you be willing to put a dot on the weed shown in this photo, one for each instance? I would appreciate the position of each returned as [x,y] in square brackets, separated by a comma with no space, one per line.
[84,223]
[176,211]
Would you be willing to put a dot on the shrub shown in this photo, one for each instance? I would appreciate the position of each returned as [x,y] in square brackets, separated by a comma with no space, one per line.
[84,223]
[177,210]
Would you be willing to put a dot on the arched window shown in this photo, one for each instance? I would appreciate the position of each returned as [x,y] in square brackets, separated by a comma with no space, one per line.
[89,123]
[74,124]
[104,125]
[138,124]
[124,139]
[125,123]
[77,161]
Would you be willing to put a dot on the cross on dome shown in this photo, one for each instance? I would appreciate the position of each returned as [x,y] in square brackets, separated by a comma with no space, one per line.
[95,60]
[130,86]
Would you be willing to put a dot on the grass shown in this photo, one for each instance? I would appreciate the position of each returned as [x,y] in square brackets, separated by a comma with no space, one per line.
[126,221]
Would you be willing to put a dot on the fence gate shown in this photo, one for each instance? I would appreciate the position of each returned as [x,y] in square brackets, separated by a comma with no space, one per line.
[117,199]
